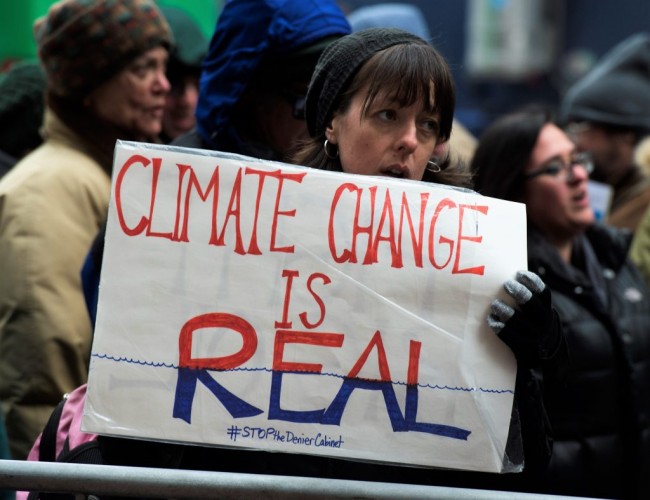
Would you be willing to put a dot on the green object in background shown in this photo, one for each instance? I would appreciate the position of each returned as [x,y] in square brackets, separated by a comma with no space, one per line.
[17,18]
[16,36]
[205,12]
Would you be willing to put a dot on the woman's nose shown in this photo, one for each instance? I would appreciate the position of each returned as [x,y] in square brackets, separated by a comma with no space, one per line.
[408,138]
[162,83]
[577,172]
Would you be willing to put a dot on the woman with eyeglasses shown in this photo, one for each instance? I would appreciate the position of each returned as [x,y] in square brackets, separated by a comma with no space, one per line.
[600,410]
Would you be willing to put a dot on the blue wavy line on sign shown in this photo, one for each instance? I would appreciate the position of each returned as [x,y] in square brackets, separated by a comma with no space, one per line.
[134,361]
[268,370]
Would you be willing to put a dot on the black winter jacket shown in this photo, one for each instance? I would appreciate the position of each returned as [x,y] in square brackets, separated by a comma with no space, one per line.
[599,412]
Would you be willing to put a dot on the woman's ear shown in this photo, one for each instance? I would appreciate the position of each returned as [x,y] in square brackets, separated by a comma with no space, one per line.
[330,131]
[441,150]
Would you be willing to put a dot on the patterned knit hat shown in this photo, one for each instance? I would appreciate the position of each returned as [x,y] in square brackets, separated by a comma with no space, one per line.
[338,65]
[82,43]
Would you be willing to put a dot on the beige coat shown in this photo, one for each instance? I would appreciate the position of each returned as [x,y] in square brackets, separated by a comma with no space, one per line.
[52,204]
[631,199]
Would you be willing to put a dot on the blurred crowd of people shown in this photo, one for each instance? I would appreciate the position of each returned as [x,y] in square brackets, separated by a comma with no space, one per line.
[299,81]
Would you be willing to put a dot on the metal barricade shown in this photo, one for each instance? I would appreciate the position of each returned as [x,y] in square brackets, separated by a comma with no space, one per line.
[180,484]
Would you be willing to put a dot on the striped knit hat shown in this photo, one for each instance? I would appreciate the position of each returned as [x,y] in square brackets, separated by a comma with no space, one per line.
[82,43]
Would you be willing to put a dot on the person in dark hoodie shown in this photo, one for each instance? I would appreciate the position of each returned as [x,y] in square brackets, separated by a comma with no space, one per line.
[256,73]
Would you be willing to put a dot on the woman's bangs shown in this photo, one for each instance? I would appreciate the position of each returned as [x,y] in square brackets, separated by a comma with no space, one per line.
[404,74]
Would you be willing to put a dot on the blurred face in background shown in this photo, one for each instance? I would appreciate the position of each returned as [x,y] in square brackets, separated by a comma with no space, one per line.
[274,117]
[612,151]
[555,190]
[180,106]
[134,99]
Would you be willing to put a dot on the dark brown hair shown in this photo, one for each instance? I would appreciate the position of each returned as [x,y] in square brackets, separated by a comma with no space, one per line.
[504,150]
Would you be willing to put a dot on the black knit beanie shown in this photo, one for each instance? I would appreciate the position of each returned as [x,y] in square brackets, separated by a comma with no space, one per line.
[617,91]
[337,66]
[21,108]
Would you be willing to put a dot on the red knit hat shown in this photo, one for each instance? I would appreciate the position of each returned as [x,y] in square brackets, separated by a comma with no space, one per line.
[82,43]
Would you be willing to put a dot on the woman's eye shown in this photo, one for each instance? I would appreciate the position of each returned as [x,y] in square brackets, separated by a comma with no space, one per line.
[431,126]
[144,68]
[387,114]
[139,69]
[554,169]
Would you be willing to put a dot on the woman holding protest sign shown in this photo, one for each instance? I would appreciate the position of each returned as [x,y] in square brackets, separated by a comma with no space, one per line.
[397,140]
[381,102]
[601,413]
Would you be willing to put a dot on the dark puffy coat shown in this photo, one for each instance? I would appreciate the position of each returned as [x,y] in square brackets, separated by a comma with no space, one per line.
[600,411]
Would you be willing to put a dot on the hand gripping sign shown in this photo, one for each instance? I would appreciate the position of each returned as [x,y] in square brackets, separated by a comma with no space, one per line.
[255,304]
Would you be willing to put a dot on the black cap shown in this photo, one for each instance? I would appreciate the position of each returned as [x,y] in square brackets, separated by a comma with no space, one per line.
[617,91]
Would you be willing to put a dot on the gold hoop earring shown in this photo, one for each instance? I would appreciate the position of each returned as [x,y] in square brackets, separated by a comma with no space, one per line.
[433,167]
[330,155]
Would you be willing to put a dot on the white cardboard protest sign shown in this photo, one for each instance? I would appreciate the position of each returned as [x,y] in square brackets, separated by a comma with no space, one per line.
[260,305]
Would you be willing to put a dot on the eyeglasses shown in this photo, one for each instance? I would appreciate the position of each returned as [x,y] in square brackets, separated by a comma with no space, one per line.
[563,171]
[298,103]
[576,129]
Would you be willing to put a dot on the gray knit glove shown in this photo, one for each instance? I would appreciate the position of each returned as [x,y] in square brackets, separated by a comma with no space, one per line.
[532,329]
